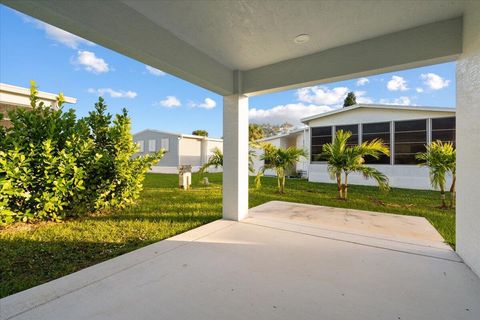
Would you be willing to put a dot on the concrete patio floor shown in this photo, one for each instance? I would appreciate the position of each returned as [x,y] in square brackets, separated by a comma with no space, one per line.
[286,261]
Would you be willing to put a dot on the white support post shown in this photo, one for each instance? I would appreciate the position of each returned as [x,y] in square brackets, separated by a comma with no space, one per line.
[468,137]
[235,157]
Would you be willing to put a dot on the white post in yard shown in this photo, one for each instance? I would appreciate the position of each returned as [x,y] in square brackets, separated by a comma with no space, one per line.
[235,157]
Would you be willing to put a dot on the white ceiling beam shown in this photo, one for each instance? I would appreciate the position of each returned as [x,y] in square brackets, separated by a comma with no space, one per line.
[428,44]
[116,26]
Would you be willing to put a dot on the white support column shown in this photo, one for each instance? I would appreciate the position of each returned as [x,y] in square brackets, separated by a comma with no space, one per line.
[235,157]
[468,137]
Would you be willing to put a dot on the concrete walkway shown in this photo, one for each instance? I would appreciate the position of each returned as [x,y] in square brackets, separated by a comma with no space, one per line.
[286,261]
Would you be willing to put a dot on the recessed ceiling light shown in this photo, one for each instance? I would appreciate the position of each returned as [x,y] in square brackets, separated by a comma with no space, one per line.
[301,38]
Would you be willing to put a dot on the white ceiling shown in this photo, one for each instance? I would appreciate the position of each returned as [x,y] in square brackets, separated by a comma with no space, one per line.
[247,34]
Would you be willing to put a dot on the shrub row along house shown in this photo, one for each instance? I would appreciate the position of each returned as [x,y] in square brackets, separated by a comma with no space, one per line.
[181,149]
[404,129]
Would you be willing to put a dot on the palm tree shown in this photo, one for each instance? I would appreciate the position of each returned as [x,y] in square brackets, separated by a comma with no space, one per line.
[216,160]
[280,160]
[440,157]
[345,159]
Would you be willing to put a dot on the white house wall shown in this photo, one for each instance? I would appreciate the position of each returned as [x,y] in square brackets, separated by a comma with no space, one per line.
[468,137]
[190,151]
[400,176]
[371,115]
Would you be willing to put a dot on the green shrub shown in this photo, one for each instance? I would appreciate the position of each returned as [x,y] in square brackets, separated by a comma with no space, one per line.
[53,165]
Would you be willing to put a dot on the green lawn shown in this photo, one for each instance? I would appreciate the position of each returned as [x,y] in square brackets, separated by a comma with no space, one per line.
[34,254]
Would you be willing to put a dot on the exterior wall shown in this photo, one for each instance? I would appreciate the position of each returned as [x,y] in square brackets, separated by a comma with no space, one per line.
[468,137]
[400,176]
[207,151]
[367,115]
[13,97]
[302,142]
[190,151]
[170,159]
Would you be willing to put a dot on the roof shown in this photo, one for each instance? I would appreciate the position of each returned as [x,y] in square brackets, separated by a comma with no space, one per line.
[378,106]
[180,135]
[21,91]
[289,133]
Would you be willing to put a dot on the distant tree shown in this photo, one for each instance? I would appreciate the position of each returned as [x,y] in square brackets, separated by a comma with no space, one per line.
[200,132]
[274,129]
[350,100]
[255,132]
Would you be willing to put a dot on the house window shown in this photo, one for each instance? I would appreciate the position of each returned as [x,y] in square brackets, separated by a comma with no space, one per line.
[353,128]
[141,145]
[379,130]
[320,136]
[151,145]
[443,129]
[410,139]
[165,144]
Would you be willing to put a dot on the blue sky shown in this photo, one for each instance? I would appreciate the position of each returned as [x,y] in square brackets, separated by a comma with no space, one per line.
[59,61]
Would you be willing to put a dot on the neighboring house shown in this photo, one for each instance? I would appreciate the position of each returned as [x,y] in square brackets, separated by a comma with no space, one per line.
[297,137]
[405,129]
[181,149]
[13,97]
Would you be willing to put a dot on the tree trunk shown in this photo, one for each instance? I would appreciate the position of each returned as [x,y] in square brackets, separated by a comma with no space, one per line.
[283,184]
[442,196]
[453,192]
[339,185]
[345,187]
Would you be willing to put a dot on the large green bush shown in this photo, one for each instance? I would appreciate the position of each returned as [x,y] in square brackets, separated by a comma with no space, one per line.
[53,165]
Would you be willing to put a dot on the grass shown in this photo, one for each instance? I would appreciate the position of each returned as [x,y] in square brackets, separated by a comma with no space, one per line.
[32,254]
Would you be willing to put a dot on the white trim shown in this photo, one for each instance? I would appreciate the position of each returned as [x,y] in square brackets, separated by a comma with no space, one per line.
[8,88]
[378,106]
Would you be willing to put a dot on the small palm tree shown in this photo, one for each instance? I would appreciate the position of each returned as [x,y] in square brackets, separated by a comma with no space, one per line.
[216,160]
[280,160]
[441,159]
[344,159]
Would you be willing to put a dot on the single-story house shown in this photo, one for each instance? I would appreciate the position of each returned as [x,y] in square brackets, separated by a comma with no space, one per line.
[297,137]
[405,129]
[181,149]
[14,97]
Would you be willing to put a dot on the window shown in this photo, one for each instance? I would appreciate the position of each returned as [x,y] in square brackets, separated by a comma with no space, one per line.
[141,145]
[443,129]
[353,128]
[151,145]
[410,138]
[320,136]
[379,130]
[165,144]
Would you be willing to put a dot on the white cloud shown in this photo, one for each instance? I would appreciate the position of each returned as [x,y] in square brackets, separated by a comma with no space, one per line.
[169,102]
[90,62]
[320,95]
[291,113]
[57,34]
[434,81]
[419,90]
[397,83]
[206,104]
[361,98]
[113,93]
[154,71]
[401,101]
[362,81]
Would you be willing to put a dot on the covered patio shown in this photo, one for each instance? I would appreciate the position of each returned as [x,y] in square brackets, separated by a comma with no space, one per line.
[285,261]
[264,267]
